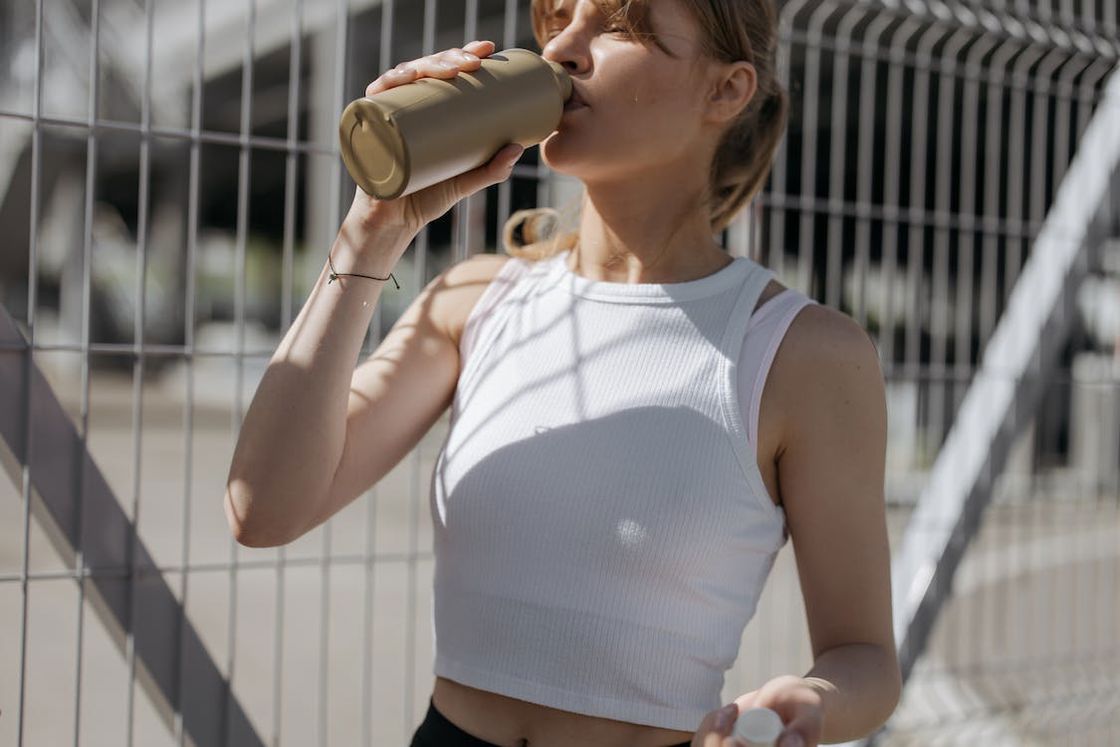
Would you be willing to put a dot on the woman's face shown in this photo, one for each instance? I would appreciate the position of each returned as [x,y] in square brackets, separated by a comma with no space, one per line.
[643,106]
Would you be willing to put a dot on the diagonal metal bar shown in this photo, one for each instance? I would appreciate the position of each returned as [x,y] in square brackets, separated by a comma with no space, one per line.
[1002,399]
[1018,360]
[1020,355]
[102,534]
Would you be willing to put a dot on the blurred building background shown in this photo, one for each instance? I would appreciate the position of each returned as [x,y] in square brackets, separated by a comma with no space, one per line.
[170,183]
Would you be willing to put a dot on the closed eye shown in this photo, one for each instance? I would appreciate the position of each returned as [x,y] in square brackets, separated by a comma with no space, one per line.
[553,32]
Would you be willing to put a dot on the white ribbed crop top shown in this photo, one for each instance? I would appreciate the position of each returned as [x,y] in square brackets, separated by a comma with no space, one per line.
[602,531]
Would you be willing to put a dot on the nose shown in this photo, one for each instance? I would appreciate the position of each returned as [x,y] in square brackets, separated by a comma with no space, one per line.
[568,49]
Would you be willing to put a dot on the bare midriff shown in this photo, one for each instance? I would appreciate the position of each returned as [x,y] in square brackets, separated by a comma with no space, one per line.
[509,722]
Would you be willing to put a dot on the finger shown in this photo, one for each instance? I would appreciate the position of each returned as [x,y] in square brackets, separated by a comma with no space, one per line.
[747,700]
[800,732]
[496,170]
[716,727]
[441,197]
[791,740]
[398,76]
[804,728]
[445,64]
[442,65]
[437,67]
[459,57]
[482,47]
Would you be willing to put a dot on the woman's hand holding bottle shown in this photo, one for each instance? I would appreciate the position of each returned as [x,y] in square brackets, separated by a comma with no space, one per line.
[293,438]
[408,215]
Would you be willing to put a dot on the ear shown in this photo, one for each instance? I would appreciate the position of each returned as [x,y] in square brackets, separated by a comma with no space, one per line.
[733,88]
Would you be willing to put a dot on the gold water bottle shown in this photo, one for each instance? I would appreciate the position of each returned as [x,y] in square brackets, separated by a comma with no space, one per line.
[406,138]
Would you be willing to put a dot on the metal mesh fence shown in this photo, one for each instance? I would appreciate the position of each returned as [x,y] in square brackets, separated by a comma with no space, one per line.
[169,183]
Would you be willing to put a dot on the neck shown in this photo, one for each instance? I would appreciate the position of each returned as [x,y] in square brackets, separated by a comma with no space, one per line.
[623,240]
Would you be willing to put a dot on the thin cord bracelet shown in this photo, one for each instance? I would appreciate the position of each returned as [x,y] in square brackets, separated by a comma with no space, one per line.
[336,275]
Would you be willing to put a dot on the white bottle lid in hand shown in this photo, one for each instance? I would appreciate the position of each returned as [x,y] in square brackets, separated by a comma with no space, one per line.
[759,727]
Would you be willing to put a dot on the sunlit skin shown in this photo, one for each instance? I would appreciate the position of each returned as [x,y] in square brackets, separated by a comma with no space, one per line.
[642,148]
[643,145]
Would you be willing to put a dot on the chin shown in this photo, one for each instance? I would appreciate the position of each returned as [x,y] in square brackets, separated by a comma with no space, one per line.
[559,155]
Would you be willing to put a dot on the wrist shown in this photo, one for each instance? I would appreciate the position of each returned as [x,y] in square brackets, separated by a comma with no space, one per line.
[369,221]
[369,252]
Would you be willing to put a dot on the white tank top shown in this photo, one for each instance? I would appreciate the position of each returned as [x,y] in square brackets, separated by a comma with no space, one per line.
[602,532]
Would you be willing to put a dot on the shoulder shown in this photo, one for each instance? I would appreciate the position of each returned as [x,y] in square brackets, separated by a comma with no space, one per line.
[456,291]
[827,369]
[822,334]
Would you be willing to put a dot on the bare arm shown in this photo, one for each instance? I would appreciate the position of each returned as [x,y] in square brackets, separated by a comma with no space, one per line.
[292,467]
[401,390]
[831,468]
[294,431]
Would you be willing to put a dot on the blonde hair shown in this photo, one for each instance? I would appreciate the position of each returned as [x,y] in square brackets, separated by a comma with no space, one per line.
[731,30]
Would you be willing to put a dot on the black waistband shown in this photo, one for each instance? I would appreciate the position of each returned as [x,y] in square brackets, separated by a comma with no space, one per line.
[437,731]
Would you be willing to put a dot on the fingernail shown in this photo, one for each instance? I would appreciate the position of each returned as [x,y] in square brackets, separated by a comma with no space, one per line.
[725,716]
[793,740]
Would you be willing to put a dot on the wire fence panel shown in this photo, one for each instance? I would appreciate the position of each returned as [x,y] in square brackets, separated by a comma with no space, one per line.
[169,186]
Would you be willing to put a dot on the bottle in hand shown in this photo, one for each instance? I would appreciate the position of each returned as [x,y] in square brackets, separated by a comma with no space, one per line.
[412,136]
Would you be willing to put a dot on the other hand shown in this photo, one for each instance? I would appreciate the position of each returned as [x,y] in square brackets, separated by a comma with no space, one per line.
[797,703]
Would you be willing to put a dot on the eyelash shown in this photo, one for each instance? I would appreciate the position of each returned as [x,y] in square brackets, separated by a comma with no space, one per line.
[551,33]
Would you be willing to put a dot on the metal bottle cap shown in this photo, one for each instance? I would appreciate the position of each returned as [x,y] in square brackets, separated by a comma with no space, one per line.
[381,160]
[760,727]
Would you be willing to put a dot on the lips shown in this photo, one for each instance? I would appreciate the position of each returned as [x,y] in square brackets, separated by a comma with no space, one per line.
[575,101]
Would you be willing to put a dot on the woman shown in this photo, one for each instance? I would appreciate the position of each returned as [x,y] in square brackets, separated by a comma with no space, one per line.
[634,432]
